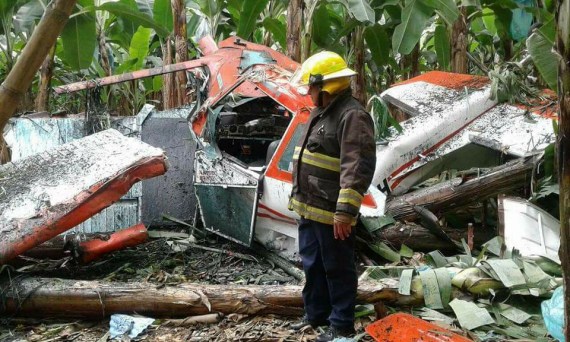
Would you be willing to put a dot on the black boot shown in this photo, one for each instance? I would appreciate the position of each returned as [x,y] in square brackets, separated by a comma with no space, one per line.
[333,332]
[306,322]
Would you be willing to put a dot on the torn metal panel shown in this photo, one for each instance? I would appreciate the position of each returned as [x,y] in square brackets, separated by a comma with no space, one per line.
[225,171]
[227,196]
[528,228]
[448,113]
[48,193]
[512,130]
[228,211]
[94,249]
[440,113]
[146,201]
[37,133]
[172,194]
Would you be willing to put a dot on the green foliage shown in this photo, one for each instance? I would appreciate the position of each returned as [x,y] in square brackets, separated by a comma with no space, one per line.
[447,9]
[277,29]
[378,42]
[382,118]
[27,15]
[132,14]
[540,45]
[248,16]
[79,41]
[163,13]
[407,34]
[391,30]
[210,7]
[322,26]
[360,10]
[146,7]
[139,47]
[509,83]
[442,47]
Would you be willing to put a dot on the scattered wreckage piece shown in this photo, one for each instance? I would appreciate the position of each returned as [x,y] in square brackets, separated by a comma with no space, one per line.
[88,247]
[450,115]
[94,249]
[404,327]
[49,297]
[49,193]
[457,192]
[528,228]
[146,201]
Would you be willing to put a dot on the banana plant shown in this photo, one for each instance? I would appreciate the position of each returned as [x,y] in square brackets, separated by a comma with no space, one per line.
[17,18]
[540,46]
[274,24]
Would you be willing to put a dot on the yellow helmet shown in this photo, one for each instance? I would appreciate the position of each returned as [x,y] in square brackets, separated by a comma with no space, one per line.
[327,68]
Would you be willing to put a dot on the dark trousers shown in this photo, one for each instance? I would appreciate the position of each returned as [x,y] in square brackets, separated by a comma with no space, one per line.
[330,274]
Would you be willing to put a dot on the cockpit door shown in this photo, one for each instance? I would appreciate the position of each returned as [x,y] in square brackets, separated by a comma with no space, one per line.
[227,196]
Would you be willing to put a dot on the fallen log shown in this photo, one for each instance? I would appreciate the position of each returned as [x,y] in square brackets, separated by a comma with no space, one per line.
[453,194]
[419,238]
[45,297]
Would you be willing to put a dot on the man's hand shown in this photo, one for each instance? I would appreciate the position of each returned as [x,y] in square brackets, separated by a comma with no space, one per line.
[342,226]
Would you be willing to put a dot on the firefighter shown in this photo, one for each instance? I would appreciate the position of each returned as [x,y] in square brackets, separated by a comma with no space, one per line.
[333,165]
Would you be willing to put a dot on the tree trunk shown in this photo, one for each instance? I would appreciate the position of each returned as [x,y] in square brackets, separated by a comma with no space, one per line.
[5,155]
[456,193]
[105,63]
[508,48]
[563,46]
[307,34]
[169,93]
[46,73]
[415,62]
[181,47]
[459,44]
[294,22]
[410,63]
[44,297]
[359,81]
[419,238]
[43,38]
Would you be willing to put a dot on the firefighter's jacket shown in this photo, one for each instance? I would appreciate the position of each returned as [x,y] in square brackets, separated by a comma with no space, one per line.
[334,161]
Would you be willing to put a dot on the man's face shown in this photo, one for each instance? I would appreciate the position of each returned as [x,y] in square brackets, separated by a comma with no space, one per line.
[314,93]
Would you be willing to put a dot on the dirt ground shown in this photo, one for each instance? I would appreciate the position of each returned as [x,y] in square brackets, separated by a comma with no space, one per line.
[157,263]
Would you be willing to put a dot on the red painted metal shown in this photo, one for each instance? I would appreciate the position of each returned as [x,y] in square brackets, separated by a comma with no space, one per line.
[279,58]
[207,45]
[112,164]
[450,80]
[401,327]
[129,237]
[88,203]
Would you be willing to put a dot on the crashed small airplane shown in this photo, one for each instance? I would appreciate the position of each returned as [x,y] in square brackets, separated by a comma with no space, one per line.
[248,118]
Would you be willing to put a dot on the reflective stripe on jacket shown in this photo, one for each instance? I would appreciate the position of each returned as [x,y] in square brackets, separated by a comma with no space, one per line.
[334,161]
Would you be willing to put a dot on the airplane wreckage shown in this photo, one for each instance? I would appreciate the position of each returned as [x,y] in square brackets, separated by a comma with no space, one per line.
[246,121]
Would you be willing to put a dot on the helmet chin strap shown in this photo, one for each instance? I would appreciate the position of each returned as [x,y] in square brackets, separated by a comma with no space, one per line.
[321,96]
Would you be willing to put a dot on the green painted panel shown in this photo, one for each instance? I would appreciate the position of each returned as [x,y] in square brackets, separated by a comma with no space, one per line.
[228,211]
